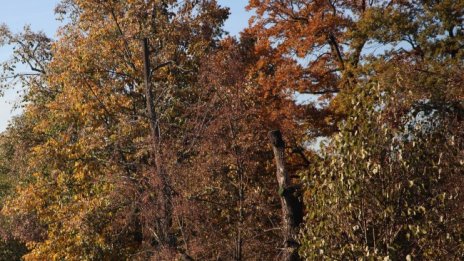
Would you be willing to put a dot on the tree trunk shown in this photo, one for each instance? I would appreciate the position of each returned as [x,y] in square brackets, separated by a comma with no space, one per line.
[292,207]
[156,147]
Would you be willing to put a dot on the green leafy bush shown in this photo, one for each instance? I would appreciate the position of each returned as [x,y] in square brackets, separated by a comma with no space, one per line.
[389,185]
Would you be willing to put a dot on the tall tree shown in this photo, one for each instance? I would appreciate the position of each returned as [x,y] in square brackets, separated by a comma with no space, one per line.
[317,47]
[389,184]
[334,51]
[94,192]
[234,186]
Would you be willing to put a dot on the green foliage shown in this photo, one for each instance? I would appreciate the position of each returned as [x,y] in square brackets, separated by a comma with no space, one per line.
[384,189]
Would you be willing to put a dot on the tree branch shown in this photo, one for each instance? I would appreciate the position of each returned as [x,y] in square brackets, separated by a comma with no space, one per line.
[321,92]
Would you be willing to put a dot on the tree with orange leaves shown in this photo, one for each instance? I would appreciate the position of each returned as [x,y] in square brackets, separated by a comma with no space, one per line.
[318,47]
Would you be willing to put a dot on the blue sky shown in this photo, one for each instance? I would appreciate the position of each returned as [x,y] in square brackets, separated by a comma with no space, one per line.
[238,18]
[40,15]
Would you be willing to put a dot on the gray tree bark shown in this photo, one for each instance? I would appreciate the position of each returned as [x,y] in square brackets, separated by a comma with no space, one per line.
[292,208]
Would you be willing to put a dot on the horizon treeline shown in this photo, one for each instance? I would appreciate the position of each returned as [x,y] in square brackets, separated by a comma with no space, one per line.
[327,130]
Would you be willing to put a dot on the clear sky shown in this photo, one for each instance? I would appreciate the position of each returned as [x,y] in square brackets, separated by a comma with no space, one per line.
[40,15]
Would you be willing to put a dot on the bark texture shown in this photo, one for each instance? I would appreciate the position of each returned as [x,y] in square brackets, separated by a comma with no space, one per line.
[292,207]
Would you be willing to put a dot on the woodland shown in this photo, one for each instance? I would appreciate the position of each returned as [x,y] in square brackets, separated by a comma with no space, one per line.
[327,130]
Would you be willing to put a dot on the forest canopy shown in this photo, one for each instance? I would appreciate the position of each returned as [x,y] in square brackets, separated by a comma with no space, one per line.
[148,133]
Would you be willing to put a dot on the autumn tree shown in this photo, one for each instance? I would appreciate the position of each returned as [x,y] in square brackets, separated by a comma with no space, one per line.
[335,51]
[94,191]
[25,68]
[317,47]
[144,134]
[234,189]
[13,146]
